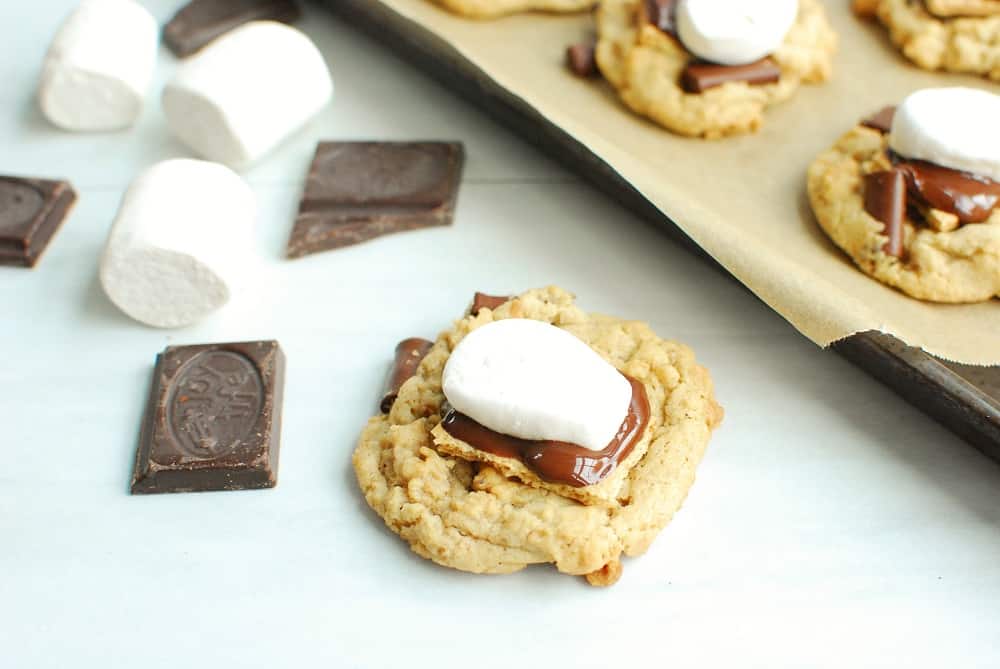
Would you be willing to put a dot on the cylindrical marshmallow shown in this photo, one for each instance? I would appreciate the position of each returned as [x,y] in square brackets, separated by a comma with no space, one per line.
[182,241]
[99,66]
[734,32]
[533,380]
[246,92]
[952,127]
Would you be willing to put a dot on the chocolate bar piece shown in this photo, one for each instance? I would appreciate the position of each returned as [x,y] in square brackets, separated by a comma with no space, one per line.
[31,211]
[662,13]
[484,301]
[698,76]
[357,191]
[201,21]
[881,120]
[885,200]
[580,59]
[409,353]
[213,421]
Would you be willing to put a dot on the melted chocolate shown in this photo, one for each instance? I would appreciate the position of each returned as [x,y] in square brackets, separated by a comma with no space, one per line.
[559,461]
[970,197]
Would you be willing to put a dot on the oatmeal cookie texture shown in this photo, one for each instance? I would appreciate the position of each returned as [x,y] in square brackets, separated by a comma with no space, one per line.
[488,9]
[969,44]
[470,516]
[644,64]
[961,265]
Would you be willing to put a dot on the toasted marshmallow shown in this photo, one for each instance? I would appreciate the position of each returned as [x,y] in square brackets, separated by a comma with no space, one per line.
[182,242]
[734,32]
[99,66]
[532,380]
[951,127]
[246,92]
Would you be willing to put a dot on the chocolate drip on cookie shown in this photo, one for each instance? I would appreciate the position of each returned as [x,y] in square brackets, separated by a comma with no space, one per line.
[559,461]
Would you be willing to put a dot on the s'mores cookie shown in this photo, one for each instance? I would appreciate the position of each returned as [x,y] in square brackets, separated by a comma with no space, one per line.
[951,35]
[710,68]
[534,432]
[911,195]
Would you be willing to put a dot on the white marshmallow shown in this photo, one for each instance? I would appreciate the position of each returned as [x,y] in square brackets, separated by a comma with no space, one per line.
[734,32]
[99,66]
[532,380]
[182,241]
[952,127]
[246,91]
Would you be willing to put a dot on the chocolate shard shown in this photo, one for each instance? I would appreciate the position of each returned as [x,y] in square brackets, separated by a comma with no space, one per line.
[484,301]
[31,211]
[409,353]
[881,120]
[356,191]
[661,14]
[580,59]
[213,420]
[699,76]
[885,200]
[201,21]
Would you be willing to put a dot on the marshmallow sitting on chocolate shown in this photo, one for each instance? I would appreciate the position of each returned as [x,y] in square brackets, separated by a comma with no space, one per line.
[951,127]
[246,92]
[99,66]
[533,380]
[182,241]
[734,32]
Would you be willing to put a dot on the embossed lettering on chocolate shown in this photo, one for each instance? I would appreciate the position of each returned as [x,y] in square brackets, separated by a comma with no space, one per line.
[213,421]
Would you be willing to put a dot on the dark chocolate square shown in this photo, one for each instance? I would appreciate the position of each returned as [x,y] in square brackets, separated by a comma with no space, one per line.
[201,21]
[356,191]
[31,211]
[213,421]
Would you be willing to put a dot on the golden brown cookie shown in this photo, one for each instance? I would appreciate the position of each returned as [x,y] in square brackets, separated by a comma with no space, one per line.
[645,64]
[489,9]
[940,262]
[470,516]
[951,35]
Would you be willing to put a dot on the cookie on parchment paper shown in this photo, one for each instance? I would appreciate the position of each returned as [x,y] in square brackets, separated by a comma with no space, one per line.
[951,35]
[951,264]
[645,65]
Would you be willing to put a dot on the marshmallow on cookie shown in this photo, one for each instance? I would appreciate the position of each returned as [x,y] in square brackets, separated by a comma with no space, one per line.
[533,380]
[711,68]
[912,193]
[945,162]
[951,127]
[734,32]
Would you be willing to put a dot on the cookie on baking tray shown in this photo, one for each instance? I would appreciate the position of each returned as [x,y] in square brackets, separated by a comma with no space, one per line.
[488,9]
[710,68]
[534,432]
[951,35]
[911,195]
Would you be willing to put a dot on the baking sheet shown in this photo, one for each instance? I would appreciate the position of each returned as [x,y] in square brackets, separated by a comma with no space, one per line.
[742,199]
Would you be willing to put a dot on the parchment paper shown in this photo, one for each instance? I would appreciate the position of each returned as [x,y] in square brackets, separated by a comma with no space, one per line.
[741,199]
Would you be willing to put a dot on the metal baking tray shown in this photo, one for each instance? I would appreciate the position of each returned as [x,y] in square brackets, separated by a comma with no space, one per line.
[964,398]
